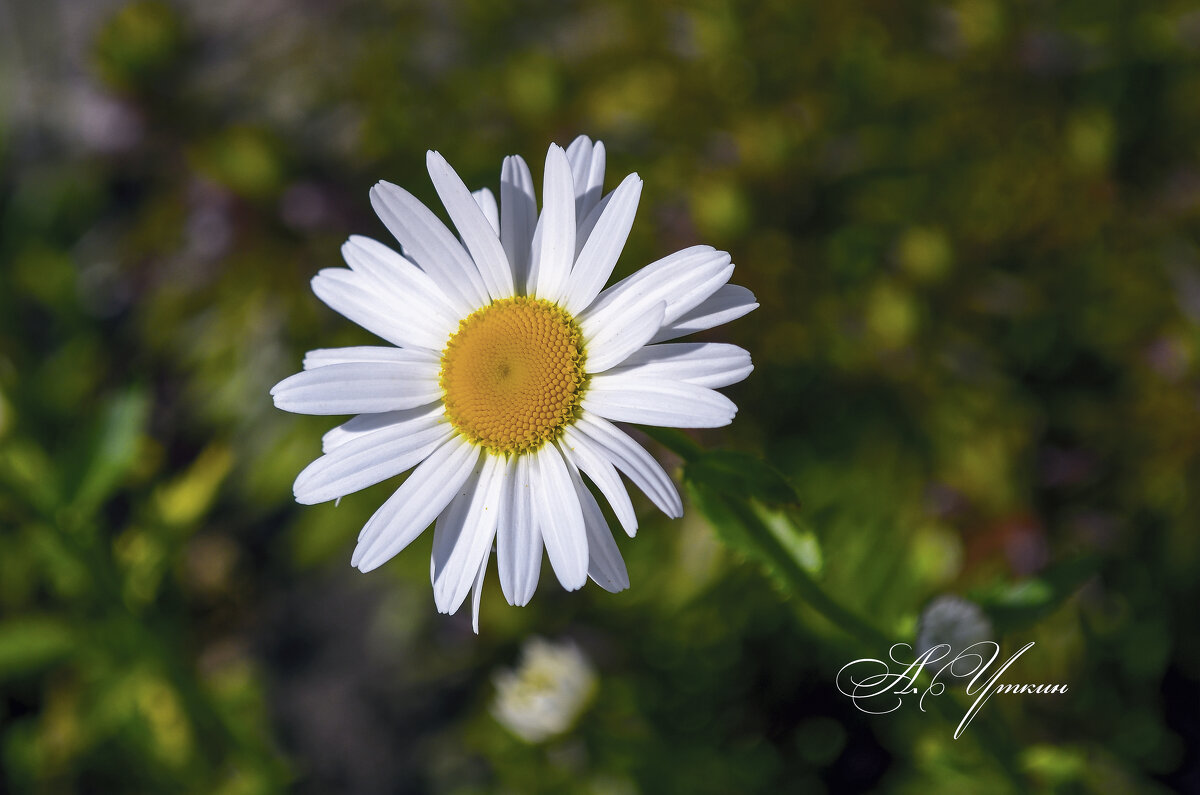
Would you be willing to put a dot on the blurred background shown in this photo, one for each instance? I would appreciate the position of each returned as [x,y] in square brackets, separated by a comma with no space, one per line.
[973,227]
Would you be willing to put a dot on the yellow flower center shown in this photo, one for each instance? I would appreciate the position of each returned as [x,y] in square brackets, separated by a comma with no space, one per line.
[512,375]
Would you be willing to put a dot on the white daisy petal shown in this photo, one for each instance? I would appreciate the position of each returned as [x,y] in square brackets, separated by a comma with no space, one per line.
[557,250]
[535,258]
[595,181]
[606,567]
[728,303]
[358,388]
[418,501]
[588,224]
[371,458]
[585,454]
[608,346]
[579,155]
[478,234]
[477,592]
[487,203]
[410,292]
[632,459]
[657,401]
[322,357]
[559,517]
[449,525]
[363,424]
[455,573]
[599,254]
[682,280]
[518,541]
[710,364]
[358,299]
[518,216]
[431,245]
[587,171]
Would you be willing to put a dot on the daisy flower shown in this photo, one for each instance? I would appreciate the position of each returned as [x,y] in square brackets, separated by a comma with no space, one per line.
[510,365]
[546,693]
[954,622]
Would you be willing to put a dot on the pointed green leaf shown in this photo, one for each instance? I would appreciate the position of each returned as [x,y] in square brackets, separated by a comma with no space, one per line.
[1015,605]
[30,643]
[114,453]
[741,475]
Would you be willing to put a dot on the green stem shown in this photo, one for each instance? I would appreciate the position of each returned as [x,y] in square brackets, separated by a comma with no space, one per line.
[771,551]
[802,583]
[990,734]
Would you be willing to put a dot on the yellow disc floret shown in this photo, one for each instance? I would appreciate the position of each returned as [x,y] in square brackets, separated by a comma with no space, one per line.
[512,375]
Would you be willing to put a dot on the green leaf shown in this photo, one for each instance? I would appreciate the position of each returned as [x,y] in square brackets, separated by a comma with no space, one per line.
[115,451]
[30,473]
[31,643]
[676,441]
[767,537]
[790,556]
[185,499]
[740,475]
[801,544]
[1016,605]
[724,522]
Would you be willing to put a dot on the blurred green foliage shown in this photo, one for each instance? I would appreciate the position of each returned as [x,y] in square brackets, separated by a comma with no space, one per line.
[973,228]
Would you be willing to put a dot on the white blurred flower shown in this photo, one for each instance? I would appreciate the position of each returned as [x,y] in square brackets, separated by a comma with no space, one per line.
[546,693]
[952,620]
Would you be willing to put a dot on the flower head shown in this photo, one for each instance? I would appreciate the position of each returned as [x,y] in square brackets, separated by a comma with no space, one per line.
[953,621]
[510,363]
[546,693]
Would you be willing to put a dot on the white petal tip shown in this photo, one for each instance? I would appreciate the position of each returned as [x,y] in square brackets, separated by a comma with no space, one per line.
[612,586]
[365,563]
[442,599]
[576,582]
